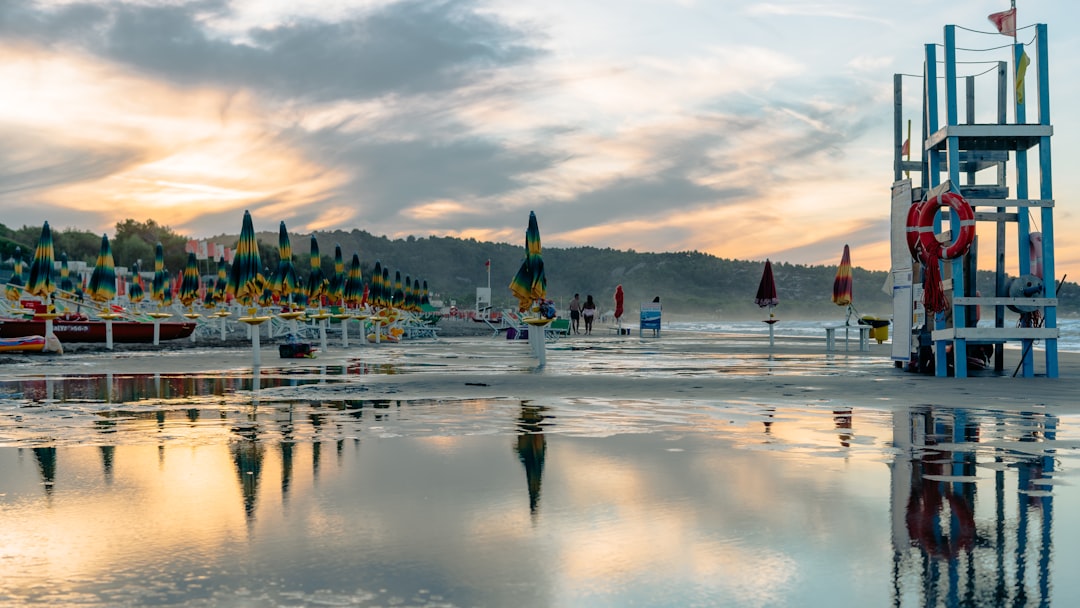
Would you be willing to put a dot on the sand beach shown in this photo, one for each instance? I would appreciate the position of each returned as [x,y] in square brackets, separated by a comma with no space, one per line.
[467,361]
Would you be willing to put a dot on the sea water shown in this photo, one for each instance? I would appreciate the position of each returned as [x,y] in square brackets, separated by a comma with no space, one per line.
[1068,329]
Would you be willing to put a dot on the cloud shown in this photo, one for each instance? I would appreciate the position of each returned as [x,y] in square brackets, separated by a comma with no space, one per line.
[401,48]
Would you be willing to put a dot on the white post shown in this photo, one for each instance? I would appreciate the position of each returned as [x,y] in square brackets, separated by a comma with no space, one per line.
[108,334]
[536,341]
[157,332]
[322,334]
[256,347]
[345,332]
[222,328]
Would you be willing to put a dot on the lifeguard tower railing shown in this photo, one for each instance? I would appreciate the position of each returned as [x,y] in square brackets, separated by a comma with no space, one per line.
[955,156]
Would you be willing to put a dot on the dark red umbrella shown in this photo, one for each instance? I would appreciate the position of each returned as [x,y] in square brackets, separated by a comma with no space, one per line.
[766,291]
[618,301]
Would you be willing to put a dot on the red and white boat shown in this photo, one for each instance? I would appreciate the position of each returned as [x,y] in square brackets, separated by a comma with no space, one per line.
[80,329]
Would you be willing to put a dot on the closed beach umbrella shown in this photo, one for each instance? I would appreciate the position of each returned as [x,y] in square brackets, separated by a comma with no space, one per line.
[530,282]
[841,291]
[15,283]
[245,280]
[222,280]
[167,292]
[335,291]
[425,298]
[189,283]
[40,283]
[618,302]
[416,296]
[354,284]
[387,288]
[157,287]
[766,291]
[66,284]
[136,292]
[102,286]
[316,287]
[399,293]
[375,283]
[285,282]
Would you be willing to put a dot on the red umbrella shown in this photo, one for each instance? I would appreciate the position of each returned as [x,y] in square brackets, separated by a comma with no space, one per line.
[766,291]
[618,301]
[841,290]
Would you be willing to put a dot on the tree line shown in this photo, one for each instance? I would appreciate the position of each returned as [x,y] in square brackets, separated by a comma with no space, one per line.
[689,283]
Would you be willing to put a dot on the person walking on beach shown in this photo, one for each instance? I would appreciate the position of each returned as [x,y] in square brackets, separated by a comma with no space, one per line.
[588,311]
[575,312]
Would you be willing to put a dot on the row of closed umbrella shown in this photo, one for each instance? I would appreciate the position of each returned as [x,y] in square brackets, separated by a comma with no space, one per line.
[245,282]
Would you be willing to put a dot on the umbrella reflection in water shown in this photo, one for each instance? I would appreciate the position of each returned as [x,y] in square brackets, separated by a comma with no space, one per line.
[531,447]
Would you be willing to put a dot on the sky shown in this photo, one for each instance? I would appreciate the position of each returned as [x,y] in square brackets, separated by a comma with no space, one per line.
[748,130]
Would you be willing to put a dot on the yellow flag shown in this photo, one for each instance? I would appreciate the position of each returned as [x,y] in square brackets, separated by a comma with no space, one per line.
[1021,68]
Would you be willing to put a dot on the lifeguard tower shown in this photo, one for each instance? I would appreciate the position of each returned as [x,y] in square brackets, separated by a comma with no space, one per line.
[977,158]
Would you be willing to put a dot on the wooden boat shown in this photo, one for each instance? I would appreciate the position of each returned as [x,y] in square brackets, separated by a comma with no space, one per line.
[69,329]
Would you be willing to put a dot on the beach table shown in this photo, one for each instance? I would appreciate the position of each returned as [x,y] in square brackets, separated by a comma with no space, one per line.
[830,337]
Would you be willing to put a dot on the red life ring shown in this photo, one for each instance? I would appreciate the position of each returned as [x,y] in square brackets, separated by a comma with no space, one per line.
[913,228]
[965,235]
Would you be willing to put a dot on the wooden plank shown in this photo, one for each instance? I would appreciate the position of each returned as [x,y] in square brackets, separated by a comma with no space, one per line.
[990,137]
[995,333]
[992,216]
[992,301]
[1004,202]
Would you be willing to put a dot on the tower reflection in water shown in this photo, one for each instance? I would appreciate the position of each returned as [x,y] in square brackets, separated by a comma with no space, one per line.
[972,510]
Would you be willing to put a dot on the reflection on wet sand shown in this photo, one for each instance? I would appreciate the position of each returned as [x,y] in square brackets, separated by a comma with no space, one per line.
[531,447]
[952,527]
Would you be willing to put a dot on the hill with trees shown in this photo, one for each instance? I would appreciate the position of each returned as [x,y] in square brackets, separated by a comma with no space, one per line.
[689,283]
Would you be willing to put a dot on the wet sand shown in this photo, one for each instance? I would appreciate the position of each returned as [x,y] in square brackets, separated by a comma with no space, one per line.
[678,365]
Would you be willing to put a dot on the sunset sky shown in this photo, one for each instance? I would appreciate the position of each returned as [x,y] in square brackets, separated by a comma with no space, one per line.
[743,129]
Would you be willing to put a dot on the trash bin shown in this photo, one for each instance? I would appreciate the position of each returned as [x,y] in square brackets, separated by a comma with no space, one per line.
[879,328]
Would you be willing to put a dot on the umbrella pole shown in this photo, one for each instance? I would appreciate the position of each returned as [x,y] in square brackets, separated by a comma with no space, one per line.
[256,347]
[345,333]
[322,334]
[157,332]
[108,334]
[536,340]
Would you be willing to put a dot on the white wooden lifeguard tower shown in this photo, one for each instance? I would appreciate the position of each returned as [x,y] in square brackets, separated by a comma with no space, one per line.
[978,160]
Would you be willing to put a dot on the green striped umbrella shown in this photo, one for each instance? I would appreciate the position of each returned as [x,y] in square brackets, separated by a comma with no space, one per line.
[166,292]
[15,284]
[376,285]
[285,282]
[530,282]
[336,289]
[189,283]
[407,303]
[135,292]
[40,283]
[316,286]
[399,293]
[66,284]
[102,286]
[354,284]
[416,296]
[425,298]
[157,288]
[387,288]
[222,280]
[245,283]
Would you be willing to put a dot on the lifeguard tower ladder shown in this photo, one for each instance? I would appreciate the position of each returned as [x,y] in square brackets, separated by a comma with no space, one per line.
[958,150]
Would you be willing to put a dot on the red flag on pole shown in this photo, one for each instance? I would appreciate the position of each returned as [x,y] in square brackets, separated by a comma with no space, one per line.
[906,150]
[1005,22]
[487,264]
